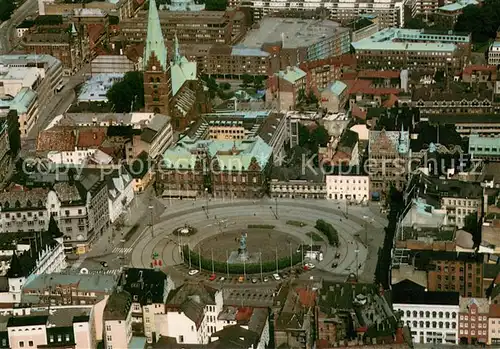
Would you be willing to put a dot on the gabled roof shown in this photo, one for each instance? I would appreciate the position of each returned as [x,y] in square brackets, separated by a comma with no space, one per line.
[59,138]
[146,286]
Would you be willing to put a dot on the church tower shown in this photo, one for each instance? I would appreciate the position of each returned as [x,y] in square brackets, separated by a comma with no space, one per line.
[157,78]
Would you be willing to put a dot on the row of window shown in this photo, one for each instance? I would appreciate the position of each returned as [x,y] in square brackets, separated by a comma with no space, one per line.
[473,332]
[434,314]
[435,324]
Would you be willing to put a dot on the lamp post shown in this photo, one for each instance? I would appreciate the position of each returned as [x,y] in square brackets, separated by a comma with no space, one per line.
[276,260]
[260,259]
[227,264]
[199,258]
[357,264]
[276,202]
[206,199]
[291,262]
[151,207]
[213,270]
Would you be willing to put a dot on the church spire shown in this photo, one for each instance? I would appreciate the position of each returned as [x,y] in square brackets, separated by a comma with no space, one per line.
[155,44]
[177,51]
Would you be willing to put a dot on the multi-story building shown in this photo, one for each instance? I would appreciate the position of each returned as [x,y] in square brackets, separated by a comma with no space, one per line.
[78,201]
[473,322]
[224,61]
[66,43]
[485,148]
[222,169]
[362,306]
[60,328]
[460,272]
[322,72]
[5,154]
[27,255]
[348,187]
[291,183]
[334,97]
[389,13]
[123,8]
[149,289]
[52,71]
[117,319]
[112,64]
[394,48]
[494,53]
[446,16]
[388,153]
[191,314]
[431,316]
[494,324]
[286,87]
[452,100]
[466,124]
[204,27]
[295,40]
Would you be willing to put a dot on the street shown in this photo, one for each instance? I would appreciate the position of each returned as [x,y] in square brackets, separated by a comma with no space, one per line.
[7,28]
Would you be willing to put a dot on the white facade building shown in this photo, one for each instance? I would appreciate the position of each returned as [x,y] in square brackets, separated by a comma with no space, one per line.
[494,53]
[77,157]
[431,323]
[348,187]
[121,193]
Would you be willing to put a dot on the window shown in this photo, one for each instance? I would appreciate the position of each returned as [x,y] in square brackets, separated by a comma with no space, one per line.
[67,337]
[59,338]
[108,328]
[109,338]
[21,344]
[30,343]
[181,339]
[51,338]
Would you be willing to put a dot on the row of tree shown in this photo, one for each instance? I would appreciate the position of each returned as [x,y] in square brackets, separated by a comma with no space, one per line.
[330,232]
[251,268]
[128,94]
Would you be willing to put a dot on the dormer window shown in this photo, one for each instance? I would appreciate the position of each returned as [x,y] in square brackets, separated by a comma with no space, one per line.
[18,204]
[28,203]
[6,205]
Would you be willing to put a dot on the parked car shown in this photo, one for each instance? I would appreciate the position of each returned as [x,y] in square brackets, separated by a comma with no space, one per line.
[241,279]
[337,255]
[193,272]
[212,277]
[276,277]
[104,264]
[254,280]
[266,279]
[334,265]
[310,266]
[222,278]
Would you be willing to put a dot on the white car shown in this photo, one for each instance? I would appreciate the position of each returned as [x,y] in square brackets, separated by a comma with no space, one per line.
[310,266]
[276,277]
[193,272]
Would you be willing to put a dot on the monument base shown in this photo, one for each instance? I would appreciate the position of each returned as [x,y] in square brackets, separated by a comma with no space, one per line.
[236,258]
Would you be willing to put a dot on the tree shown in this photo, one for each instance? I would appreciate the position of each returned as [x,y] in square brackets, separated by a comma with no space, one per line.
[7,7]
[247,80]
[301,97]
[128,94]
[481,21]
[215,5]
[319,137]
[304,135]
[258,82]
[14,133]
[225,86]
[473,225]
[312,99]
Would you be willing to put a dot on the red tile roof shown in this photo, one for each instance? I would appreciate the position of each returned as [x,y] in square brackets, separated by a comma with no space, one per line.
[244,314]
[59,138]
[358,113]
[95,31]
[365,87]
[349,75]
[382,74]
[91,138]
[478,67]
[391,101]
[307,297]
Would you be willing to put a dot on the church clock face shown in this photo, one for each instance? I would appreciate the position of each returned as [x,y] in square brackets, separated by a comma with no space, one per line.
[154,67]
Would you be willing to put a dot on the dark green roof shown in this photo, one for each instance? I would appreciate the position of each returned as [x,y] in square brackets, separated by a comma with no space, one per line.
[17,321]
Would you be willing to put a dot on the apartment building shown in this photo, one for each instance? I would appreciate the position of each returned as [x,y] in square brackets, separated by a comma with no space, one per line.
[123,8]
[485,148]
[52,71]
[446,16]
[149,289]
[26,255]
[389,13]
[238,169]
[203,27]
[348,187]
[117,319]
[61,328]
[191,314]
[292,183]
[494,324]
[340,303]
[395,48]
[388,153]
[466,124]
[431,316]
[473,322]
[286,87]
[70,45]
[79,202]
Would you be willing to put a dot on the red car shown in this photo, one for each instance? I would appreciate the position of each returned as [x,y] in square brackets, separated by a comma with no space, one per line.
[212,277]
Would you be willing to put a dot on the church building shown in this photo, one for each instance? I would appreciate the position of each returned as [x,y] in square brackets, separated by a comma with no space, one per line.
[170,87]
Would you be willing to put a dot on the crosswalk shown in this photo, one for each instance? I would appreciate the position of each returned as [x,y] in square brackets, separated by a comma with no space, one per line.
[106,271]
[122,250]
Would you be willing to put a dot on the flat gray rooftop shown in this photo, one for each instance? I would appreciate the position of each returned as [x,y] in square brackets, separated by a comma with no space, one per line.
[296,32]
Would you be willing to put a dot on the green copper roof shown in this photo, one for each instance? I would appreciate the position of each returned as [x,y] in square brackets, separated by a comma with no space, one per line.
[181,69]
[154,40]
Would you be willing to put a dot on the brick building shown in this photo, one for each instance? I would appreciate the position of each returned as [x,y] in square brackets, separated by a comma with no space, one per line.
[473,321]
